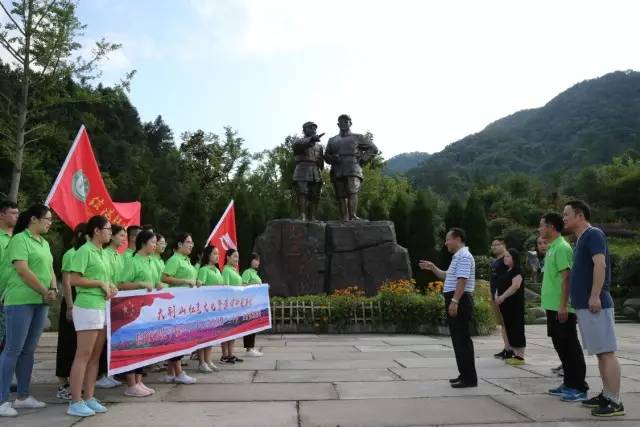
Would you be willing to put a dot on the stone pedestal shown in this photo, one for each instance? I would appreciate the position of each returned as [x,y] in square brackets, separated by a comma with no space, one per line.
[302,258]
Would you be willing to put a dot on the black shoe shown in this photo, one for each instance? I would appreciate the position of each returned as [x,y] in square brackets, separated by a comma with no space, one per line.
[609,409]
[455,380]
[463,384]
[595,402]
[228,360]
[236,359]
[13,388]
[501,355]
[509,354]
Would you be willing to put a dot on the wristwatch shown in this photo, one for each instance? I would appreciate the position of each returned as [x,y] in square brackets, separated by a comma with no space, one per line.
[455,301]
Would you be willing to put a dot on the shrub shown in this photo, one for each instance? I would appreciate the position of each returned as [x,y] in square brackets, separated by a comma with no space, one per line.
[483,267]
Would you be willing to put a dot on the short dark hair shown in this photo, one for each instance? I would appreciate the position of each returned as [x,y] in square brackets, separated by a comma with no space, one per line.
[582,207]
[7,204]
[344,117]
[499,239]
[459,233]
[554,219]
[133,231]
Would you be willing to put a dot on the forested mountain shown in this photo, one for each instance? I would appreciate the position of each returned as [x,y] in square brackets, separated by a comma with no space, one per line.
[403,162]
[587,124]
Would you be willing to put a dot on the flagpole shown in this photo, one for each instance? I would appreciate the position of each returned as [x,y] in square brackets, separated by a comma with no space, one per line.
[218,224]
[64,166]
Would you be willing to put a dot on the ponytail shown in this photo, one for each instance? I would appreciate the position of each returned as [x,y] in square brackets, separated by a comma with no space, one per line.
[24,219]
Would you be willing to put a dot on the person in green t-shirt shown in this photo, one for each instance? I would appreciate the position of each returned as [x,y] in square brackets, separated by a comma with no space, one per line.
[30,288]
[8,218]
[140,273]
[208,275]
[66,348]
[178,272]
[90,275]
[561,317]
[250,277]
[230,277]
[156,258]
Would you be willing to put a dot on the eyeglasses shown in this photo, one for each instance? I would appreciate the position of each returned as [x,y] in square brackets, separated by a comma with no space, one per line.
[47,219]
[106,228]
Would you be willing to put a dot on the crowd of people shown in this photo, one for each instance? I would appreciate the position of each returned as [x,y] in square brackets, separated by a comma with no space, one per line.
[575,295]
[93,271]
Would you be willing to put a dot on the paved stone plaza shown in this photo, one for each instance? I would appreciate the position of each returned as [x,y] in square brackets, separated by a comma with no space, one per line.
[354,380]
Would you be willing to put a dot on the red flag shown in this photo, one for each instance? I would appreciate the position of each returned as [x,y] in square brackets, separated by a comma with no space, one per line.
[223,235]
[79,193]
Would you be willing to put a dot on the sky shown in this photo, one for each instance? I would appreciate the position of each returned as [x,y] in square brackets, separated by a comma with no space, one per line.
[417,74]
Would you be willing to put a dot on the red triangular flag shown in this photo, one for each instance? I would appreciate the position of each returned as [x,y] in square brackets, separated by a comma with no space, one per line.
[79,193]
[223,235]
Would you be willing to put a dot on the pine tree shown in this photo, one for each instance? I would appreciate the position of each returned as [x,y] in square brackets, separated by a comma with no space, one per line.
[475,226]
[454,217]
[421,238]
[399,215]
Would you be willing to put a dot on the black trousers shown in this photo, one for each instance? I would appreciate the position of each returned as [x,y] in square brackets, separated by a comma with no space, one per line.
[249,341]
[66,350]
[565,340]
[459,328]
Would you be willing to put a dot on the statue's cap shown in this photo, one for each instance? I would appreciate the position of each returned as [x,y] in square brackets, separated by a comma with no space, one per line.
[344,117]
[307,124]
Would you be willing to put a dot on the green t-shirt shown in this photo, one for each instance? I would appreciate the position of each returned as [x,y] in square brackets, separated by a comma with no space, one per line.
[66,260]
[35,251]
[115,263]
[209,275]
[91,262]
[140,269]
[230,276]
[158,264]
[559,258]
[250,277]
[179,267]
[4,242]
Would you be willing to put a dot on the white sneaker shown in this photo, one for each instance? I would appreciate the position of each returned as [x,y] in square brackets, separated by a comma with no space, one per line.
[213,367]
[185,379]
[168,379]
[114,381]
[105,382]
[252,352]
[204,368]
[6,410]
[29,403]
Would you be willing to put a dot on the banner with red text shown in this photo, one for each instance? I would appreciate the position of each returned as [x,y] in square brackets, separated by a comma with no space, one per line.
[148,327]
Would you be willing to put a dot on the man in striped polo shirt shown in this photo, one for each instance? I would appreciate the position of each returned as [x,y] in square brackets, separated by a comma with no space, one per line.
[459,283]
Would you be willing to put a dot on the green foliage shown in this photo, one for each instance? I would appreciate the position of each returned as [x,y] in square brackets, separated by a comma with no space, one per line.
[483,266]
[421,239]
[454,217]
[401,163]
[400,216]
[475,225]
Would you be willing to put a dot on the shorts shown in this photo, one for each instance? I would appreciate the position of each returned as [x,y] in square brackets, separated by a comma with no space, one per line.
[597,330]
[88,319]
[309,188]
[346,186]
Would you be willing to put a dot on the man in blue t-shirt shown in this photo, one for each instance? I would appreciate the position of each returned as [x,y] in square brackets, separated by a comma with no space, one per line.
[590,279]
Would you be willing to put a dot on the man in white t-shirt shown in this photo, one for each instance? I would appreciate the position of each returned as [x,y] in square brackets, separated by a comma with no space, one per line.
[459,283]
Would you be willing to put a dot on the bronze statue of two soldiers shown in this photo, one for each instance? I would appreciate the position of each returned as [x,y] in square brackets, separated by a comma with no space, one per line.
[346,152]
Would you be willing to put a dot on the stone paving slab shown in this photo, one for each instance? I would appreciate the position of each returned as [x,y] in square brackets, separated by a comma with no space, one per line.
[603,423]
[378,355]
[337,343]
[549,408]
[541,385]
[411,389]
[404,412]
[252,392]
[224,376]
[424,374]
[337,364]
[51,416]
[413,340]
[324,375]
[310,349]
[232,414]
[395,348]
[441,362]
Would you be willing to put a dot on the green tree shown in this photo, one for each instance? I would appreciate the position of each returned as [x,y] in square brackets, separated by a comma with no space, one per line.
[421,237]
[40,37]
[455,214]
[475,226]
[400,216]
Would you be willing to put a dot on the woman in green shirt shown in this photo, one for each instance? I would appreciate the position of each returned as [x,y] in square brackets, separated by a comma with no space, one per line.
[178,272]
[250,277]
[156,258]
[91,277]
[208,275]
[230,277]
[140,273]
[66,349]
[30,288]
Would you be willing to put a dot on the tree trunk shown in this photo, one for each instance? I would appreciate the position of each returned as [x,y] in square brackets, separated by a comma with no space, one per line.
[21,123]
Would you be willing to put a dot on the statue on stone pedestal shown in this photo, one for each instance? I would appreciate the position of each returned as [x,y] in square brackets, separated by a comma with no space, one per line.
[307,176]
[346,153]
